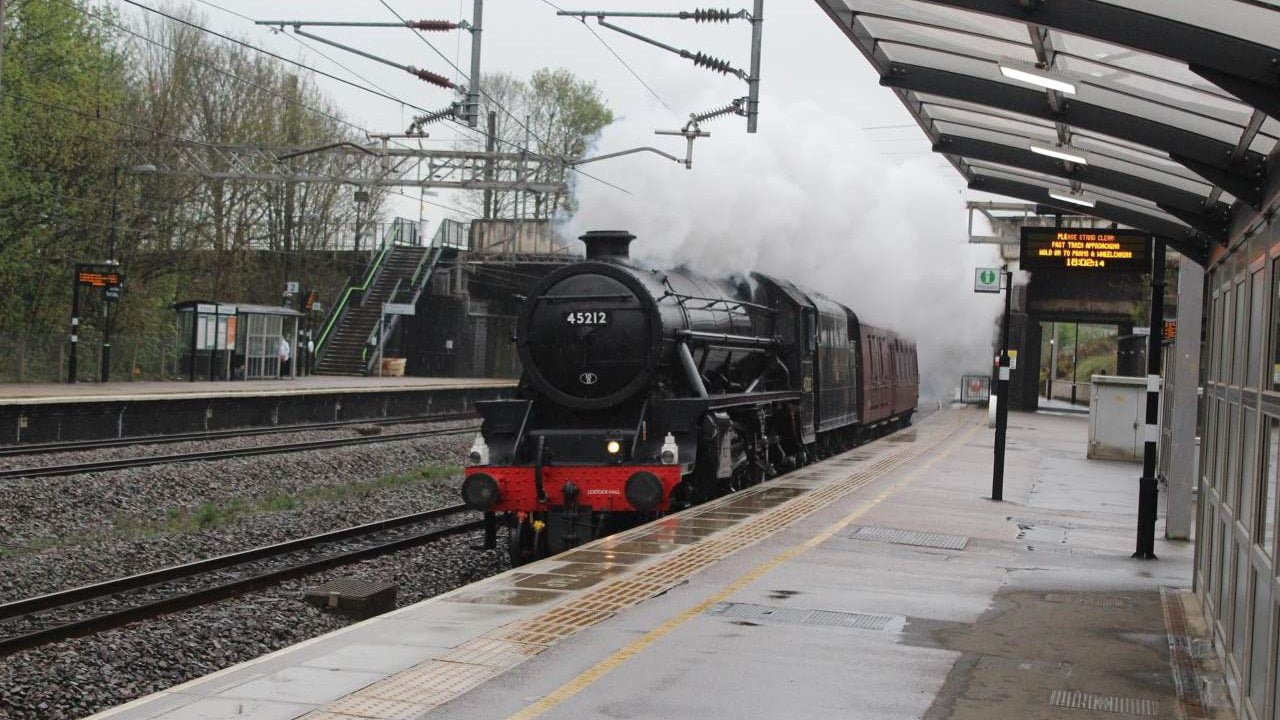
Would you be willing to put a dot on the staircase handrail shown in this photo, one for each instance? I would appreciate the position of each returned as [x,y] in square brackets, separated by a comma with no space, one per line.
[390,240]
[340,309]
[416,287]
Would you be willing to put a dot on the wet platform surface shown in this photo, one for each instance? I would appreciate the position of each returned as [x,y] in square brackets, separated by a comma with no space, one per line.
[878,584]
[51,393]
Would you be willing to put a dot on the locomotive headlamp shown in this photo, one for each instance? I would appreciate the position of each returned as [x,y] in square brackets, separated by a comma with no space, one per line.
[480,492]
[670,453]
[613,446]
[479,454]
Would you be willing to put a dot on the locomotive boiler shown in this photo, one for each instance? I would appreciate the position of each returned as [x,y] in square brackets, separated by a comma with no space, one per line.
[648,390]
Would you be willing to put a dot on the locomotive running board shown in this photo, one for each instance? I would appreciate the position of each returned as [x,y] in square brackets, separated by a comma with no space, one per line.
[721,402]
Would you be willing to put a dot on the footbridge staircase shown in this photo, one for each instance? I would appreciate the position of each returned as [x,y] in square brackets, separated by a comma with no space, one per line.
[349,340]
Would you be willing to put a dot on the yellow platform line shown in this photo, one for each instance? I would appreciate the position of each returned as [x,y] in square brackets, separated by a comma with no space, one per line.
[611,663]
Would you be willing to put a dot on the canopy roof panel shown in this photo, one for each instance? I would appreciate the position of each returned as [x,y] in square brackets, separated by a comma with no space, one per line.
[1161,114]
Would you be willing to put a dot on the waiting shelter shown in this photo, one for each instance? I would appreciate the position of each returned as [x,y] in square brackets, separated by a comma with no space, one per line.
[237,341]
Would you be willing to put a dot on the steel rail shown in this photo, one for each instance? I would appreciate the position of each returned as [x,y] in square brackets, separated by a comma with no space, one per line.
[73,445]
[66,599]
[224,454]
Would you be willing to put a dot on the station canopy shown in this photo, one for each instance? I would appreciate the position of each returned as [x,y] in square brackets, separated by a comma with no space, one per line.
[1155,114]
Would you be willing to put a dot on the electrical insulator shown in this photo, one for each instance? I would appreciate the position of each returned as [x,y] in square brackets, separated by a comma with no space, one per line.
[710,15]
[433,25]
[733,108]
[433,78]
[712,63]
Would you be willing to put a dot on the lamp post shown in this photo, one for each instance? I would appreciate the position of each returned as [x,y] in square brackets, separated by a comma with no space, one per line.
[146,169]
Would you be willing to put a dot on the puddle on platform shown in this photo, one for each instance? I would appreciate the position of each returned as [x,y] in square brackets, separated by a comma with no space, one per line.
[559,582]
[603,557]
[589,570]
[519,597]
[637,548]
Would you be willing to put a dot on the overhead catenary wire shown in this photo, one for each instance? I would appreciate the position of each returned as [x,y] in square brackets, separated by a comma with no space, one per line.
[616,56]
[524,126]
[256,86]
[134,126]
[308,46]
[277,56]
[213,66]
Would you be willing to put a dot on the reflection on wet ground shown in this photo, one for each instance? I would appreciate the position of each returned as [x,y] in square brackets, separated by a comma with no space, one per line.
[548,581]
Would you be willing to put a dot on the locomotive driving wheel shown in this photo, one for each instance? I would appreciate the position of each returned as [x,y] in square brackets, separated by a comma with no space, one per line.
[527,542]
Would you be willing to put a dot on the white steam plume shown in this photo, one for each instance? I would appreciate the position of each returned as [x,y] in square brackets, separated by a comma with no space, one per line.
[810,199]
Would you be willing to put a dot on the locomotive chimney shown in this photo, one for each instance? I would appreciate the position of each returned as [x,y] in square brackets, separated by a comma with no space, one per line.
[607,244]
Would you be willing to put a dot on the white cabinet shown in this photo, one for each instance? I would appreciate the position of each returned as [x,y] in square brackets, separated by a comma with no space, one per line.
[1117,418]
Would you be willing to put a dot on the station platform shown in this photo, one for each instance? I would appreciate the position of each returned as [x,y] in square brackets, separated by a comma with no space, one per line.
[878,584]
[52,412]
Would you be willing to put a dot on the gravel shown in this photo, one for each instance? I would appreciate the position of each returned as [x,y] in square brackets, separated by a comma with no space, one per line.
[146,449]
[90,506]
[95,519]
[85,675]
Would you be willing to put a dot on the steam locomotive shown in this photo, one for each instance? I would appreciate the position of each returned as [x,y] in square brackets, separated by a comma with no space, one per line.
[646,391]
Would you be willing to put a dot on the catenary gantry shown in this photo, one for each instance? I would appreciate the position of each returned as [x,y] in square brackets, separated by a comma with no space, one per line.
[1157,115]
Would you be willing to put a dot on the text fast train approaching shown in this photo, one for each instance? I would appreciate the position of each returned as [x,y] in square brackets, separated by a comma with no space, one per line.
[651,390]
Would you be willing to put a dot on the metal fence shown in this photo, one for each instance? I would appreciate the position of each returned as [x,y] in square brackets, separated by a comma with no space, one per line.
[44,358]
[975,389]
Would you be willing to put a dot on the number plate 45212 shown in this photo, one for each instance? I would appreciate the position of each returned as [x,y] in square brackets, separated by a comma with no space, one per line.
[588,317]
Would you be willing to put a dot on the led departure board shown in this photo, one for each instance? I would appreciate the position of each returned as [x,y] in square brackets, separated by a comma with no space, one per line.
[98,278]
[1085,250]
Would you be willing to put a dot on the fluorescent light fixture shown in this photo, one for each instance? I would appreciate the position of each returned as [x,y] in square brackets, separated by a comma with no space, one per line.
[1065,195]
[1032,75]
[1060,152]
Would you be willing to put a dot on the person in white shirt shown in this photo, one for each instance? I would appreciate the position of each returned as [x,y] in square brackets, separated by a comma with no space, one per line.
[285,353]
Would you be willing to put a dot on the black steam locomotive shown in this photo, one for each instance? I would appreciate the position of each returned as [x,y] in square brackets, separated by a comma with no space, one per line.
[649,390]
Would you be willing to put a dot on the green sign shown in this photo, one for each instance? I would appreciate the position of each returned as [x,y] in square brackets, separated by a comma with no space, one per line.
[986,280]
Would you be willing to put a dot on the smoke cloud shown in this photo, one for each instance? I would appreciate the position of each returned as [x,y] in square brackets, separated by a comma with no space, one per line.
[809,198]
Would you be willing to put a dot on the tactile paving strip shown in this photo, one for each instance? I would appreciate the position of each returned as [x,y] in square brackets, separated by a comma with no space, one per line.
[1077,700]
[772,508]
[358,706]
[431,683]
[916,538]
[492,652]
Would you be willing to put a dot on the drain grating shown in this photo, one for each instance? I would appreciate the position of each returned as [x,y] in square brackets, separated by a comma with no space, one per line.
[909,537]
[800,616]
[1091,600]
[1076,700]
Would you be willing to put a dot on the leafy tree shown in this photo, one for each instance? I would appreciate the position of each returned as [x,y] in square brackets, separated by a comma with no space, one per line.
[554,113]
[88,96]
[64,85]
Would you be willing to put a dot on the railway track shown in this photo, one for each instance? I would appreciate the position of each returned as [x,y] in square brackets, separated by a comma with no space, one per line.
[102,606]
[72,445]
[226,453]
